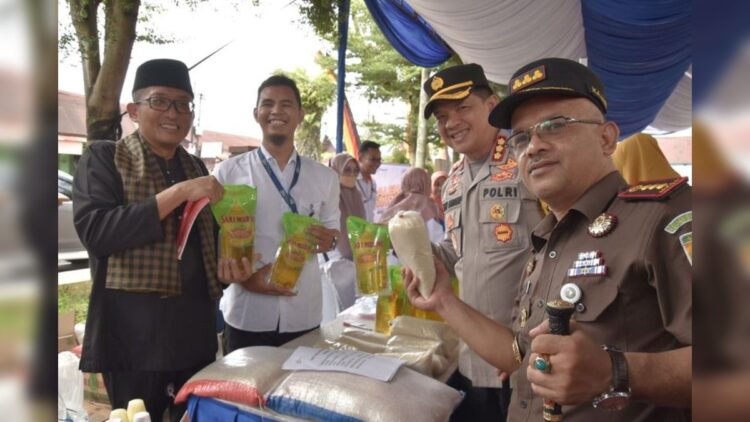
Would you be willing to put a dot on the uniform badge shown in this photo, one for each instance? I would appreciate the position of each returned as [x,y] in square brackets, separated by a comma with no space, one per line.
[571,293]
[497,212]
[588,263]
[437,83]
[523,317]
[453,184]
[449,222]
[602,225]
[454,240]
[510,165]
[584,271]
[503,175]
[530,266]
[686,240]
[679,221]
[504,232]
[500,149]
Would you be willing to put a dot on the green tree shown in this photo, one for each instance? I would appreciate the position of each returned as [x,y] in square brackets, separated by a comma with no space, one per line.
[375,68]
[317,95]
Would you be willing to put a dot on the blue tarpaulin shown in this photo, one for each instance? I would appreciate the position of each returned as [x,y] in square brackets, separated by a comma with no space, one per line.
[640,49]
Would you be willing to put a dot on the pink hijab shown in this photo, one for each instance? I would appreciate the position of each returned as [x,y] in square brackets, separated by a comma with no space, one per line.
[350,203]
[414,196]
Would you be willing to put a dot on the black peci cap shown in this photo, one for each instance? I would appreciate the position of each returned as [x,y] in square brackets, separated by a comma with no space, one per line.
[453,83]
[163,72]
[548,77]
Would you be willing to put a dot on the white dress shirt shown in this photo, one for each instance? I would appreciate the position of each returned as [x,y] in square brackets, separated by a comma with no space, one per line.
[316,194]
[369,191]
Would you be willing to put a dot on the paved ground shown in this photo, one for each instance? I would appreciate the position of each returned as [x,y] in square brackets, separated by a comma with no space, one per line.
[98,412]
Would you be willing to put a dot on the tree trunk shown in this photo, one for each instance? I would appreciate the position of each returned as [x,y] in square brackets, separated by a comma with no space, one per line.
[410,137]
[307,142]
[421,149]
[103,79]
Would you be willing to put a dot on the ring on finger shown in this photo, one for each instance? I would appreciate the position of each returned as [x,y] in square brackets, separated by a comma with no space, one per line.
[542,363]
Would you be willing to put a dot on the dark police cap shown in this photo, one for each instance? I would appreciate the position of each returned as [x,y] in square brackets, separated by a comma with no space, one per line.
[163,72]
[548,77]
[453,83]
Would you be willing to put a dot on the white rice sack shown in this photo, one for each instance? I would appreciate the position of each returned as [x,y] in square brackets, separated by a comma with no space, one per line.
[408,233]
[242,376]
[351,340]
[434,330]
[327,396]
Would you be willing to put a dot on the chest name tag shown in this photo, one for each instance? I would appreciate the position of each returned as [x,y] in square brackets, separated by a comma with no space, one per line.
[500,192]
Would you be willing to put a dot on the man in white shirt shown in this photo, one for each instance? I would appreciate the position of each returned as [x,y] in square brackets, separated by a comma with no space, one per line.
[257,314]
[369,161]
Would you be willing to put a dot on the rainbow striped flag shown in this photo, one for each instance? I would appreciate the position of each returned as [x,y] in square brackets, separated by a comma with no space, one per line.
[351,137]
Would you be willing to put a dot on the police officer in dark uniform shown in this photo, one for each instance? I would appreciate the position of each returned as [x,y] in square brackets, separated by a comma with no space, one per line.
[489,215]
[619,255]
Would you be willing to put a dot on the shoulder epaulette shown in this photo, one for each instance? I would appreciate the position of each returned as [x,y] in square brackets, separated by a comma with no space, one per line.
[458,165]
[500,149]
[653,190]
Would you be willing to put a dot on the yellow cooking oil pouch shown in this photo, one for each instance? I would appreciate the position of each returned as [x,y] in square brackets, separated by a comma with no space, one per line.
[393,304]
[235,213]
[370,246]
[294,251]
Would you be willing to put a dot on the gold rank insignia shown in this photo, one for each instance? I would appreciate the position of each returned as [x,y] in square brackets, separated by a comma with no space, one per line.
[504,232]
[437,83]
[531,77]
[497,212]
[510,165]
[657,189]
[503,175]
[602,225]
[449,222]
[530,266]
[523,317]
[500,149]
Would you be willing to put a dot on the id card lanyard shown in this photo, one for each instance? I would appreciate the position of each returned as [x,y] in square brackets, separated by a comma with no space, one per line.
[283,192]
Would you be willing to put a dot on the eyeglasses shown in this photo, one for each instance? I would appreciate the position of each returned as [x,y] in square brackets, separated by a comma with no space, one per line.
[163,104]
[520,139]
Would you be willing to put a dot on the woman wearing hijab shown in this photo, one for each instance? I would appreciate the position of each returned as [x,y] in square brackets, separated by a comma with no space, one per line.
[350,200]
[339,268]
[437,179]
[415,196]
[639,159]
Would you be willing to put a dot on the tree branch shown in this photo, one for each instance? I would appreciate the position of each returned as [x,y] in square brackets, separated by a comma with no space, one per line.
[83,14]
[103,109]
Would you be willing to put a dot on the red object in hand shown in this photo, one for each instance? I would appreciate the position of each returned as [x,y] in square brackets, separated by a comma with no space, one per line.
[192,208]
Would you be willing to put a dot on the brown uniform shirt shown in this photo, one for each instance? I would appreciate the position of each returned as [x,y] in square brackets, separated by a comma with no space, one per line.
[488,221]
[643,303]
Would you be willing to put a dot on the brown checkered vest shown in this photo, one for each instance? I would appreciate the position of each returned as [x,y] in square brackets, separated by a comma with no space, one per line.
[154,268]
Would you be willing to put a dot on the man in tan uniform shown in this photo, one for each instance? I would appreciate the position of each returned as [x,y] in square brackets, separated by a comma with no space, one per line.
[489,215]
[621,256]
